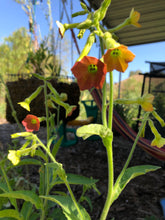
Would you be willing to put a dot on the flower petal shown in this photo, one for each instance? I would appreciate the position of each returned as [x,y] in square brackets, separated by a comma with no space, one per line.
[90,72]
[118,58]
[31,123]
[134,17]
[13,157]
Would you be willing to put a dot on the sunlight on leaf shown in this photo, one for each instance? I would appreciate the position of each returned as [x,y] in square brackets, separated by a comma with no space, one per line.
[130,174]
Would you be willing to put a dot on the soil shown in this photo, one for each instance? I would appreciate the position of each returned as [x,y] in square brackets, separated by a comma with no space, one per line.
[139,200]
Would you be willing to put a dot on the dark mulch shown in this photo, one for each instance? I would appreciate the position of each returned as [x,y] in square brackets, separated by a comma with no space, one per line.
[141,197]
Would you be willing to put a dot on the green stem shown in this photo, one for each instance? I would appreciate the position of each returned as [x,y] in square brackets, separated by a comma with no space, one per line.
[120,26]
[48,136]
[133,148]
[109,155]
[104,101]
[46,110]
[70,26]
[90,41]
[104,106]
[46,149]
[66,182]
[110,181]
[110,118]
[74,200]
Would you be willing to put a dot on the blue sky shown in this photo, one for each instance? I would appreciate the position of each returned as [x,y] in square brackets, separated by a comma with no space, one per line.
[13,17]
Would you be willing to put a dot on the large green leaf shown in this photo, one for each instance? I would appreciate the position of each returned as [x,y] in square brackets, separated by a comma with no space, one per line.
[25,195]
[58,213]
[93,129]
[76,179]
[29,161]
[68,207]
[129,174]
[26,209]
[10,212]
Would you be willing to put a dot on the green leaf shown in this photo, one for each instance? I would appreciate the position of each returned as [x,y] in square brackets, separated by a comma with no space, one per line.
[129,174]
[29,161]
[68,207]
[5,189]
[39,76]
[25,195]
[58,213]
[61,193]
[57,146]
[77,180]
[88,200]
[10,212]
[93,129]
[41,154]
[26,210]
[34,216]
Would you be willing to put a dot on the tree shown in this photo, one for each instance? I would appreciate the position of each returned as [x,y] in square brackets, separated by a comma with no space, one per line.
[132,73]
[14,52]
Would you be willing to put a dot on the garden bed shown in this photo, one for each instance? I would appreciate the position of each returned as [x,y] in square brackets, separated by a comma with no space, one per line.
[139,200]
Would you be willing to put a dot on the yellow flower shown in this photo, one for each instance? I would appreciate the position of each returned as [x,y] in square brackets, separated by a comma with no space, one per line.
[13,157]
[118,58]
[25,104]
[158,141]
[134,18]
[146,102]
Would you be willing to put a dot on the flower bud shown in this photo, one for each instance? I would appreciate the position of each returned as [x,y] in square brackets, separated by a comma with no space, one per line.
[146,102]
[109,42]
[101,12]
[161,121]
[61,28]
[158,141]
[63,97]
[88,45]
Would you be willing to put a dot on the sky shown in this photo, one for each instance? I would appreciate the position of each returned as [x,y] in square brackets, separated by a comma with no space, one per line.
[13,17]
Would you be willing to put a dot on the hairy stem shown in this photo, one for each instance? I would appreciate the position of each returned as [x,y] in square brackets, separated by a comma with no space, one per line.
[109,155]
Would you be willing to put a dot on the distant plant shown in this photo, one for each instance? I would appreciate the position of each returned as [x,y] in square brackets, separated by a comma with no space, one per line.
[43,62]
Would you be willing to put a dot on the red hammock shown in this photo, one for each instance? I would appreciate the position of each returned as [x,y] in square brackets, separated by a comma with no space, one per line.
[121,126]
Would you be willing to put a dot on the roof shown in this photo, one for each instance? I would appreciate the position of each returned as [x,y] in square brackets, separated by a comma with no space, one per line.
[152,20]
